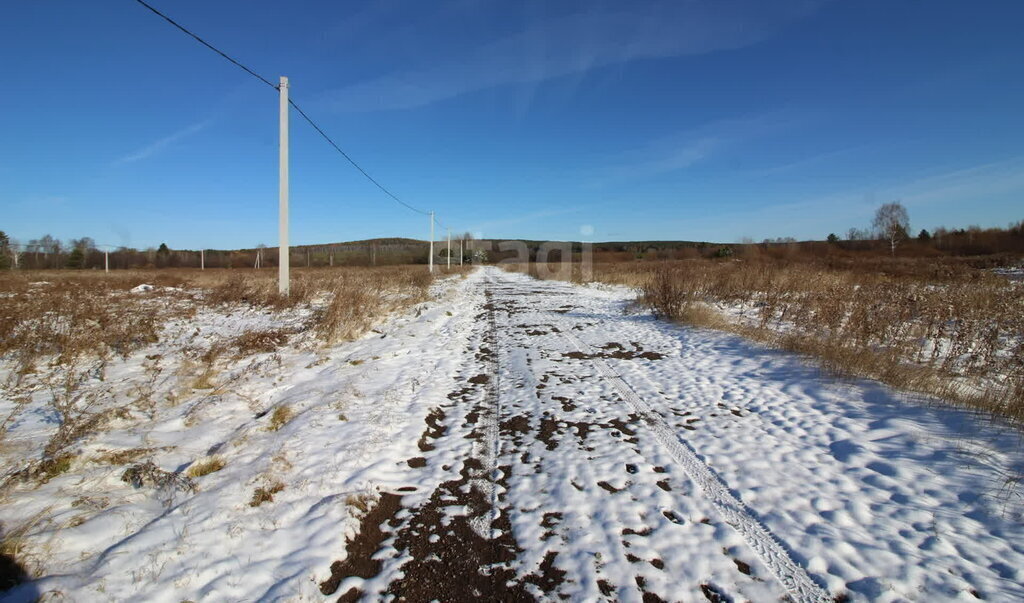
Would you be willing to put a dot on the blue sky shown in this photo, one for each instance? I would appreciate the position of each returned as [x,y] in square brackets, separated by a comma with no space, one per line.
[595,120]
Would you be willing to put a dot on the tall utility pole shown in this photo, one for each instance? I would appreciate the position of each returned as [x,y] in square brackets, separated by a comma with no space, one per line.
[202,259]
[106,260]
[449,250]
[282,195]
[461,241]
[431,241]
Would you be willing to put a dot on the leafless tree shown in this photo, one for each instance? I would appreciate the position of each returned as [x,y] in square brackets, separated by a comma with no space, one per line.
[892,223]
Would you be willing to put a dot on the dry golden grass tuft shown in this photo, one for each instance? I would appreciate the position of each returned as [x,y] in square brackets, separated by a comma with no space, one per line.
[122,457]
[206,467]
[264,494]
[280,417]
[361,502]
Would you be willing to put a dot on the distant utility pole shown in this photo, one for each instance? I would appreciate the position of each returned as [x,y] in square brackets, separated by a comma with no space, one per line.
[449,250]
[282,194]
[431,241]
[106,260]
[202,259]
[461,241]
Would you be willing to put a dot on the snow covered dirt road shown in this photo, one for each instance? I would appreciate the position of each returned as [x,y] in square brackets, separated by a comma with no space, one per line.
[588,451]
[513,439]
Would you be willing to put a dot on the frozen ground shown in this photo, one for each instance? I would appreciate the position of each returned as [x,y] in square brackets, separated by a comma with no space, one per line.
[518,439]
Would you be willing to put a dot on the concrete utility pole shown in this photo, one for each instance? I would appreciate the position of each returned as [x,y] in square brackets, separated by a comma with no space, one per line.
[106,261]
[449,250]
[431,241]
[282,194]
[461,241]
[202,259]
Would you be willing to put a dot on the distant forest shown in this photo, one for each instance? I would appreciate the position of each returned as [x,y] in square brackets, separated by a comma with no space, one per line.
[1000,244]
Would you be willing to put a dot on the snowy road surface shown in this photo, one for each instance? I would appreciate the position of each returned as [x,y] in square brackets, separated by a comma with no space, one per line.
[520,439]
[593,452]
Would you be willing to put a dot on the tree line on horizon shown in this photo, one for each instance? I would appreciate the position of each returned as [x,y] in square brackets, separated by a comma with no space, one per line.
[890,232]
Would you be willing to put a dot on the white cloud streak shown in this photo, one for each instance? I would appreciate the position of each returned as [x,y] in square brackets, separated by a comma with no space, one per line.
[161,144]
[599,36]
[685,149]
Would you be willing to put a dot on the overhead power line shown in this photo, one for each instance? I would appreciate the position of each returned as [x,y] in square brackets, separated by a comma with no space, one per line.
[208,45]
[291,102]
[350,160]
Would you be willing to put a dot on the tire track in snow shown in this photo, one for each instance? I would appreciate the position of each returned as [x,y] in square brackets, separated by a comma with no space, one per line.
[792,576]
[487,482]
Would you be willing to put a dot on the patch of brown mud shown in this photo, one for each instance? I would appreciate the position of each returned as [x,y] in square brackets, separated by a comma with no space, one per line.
[671,516]
[549,522]
[460,395]
[625,429]
[459,565]
[480,379]
[609,487]
[549,577]
[434,430]
[618,351]
[548,430]
[516,424]
[715,594]
[582,429]
[359,561]
[567,404]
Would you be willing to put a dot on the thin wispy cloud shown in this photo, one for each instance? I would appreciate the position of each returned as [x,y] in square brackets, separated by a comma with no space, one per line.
[161,144]
[687,148]
[969,187]
[600,36]
[966,184]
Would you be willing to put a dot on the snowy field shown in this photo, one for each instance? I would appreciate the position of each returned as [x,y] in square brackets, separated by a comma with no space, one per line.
[516,439]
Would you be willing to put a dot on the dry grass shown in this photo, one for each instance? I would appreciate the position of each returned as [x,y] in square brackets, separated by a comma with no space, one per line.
[959,336]
[62,328]
[122,457]
[940,327]
[148,474]
[205,467]
[264,494]
[361,502]
[361,298]
[13,546]
[280,417]
[259,342]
